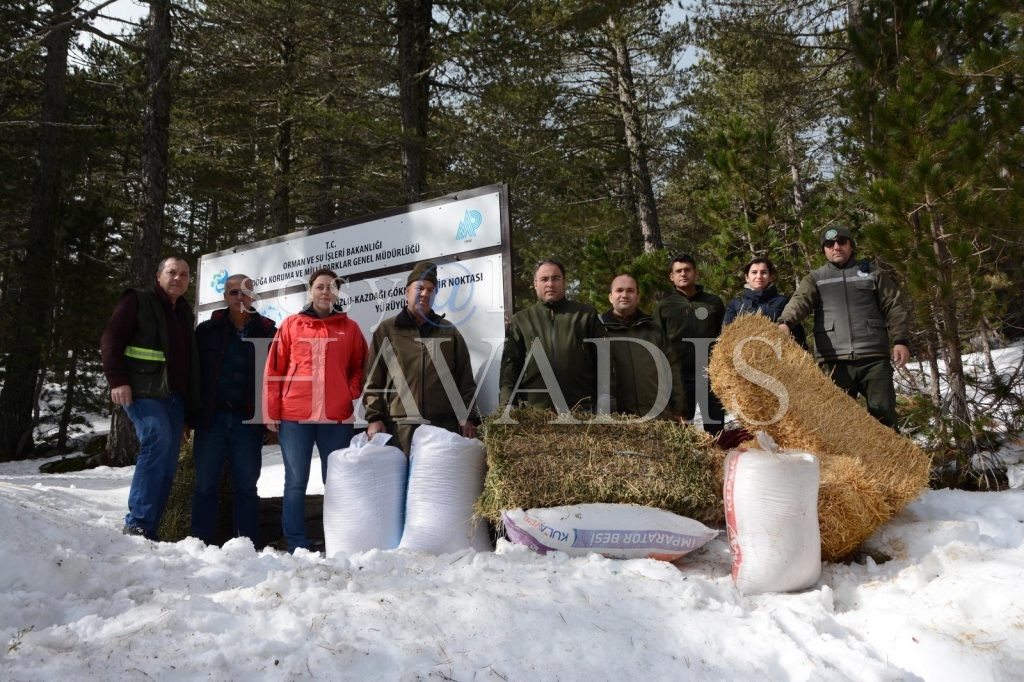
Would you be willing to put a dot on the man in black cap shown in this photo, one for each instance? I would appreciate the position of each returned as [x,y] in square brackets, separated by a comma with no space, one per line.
[858,311]
[419,370]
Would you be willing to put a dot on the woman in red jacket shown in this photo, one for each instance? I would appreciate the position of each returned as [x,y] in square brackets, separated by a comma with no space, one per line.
[314,373]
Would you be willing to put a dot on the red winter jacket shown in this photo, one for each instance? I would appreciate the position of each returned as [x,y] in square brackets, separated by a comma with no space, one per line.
[314,369]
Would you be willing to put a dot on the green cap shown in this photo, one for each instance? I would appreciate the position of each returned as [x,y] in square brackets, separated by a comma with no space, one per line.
[834,233]
[425,271]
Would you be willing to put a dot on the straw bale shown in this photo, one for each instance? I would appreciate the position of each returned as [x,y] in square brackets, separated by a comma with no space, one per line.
[536,463]
[849,507]
[819,418]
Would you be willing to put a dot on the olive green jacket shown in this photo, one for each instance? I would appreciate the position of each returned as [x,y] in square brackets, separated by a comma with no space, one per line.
[682,317]
[562,328]
[636,367]
[415,349]
[857,310]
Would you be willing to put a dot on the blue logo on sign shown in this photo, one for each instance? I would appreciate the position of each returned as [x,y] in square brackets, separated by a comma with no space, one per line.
[274,313]
[471,222]
[218,281]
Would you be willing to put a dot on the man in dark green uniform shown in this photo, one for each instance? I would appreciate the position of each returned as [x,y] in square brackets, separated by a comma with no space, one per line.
[547,361]
[419,370]
[857,311]
[639,356]
[692,320]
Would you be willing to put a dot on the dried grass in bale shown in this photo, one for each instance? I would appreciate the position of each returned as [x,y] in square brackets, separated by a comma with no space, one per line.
[535,463]
[849,508]
[819,417]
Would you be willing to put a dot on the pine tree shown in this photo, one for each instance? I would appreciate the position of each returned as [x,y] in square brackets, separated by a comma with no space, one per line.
[935,114]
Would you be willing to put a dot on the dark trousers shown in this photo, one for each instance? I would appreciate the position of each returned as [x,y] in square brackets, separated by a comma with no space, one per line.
[871,378]
[712,413]
[241,445]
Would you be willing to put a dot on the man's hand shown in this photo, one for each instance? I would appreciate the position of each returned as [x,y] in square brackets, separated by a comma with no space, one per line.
[122,395]
[273,427]
[785,327]
[468,430]
[374,428]
[900,355]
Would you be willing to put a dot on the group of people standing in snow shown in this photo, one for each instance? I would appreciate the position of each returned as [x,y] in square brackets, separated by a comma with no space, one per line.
[858,317]
[417,368]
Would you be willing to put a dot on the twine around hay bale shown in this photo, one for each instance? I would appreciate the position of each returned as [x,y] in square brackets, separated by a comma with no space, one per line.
[752,365]
[534,462]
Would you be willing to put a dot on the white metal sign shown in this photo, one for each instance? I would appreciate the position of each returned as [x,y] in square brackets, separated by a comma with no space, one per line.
[466,234]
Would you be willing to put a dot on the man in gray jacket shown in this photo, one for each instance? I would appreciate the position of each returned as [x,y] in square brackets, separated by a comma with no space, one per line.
[858,311]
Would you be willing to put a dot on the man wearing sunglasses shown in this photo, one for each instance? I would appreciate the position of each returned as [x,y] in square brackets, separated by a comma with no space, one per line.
[858,313]
[230,377]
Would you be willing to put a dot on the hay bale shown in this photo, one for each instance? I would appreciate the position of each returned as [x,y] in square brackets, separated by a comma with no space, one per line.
[820,418]
[849,507]
[535,463]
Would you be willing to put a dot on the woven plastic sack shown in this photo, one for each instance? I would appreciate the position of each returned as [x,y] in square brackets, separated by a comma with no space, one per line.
[446,476]
[617,531]
[771,510]
[364,496]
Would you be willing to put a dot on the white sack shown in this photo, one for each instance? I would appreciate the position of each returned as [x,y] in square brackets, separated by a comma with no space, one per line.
[618,531]
[771,510]
[364,496]
[446,476]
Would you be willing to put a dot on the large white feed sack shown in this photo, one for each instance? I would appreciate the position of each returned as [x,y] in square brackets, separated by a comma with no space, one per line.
[771,510]
[364,496]
[446,476]
[617,531]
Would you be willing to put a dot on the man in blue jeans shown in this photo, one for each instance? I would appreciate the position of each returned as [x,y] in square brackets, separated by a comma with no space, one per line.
[224,428]
[150,361]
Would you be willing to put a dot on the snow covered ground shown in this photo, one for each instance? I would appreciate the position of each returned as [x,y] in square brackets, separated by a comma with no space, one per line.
[79,600]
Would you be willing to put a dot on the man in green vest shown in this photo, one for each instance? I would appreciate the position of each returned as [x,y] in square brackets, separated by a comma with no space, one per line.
[857,310]
[692,320]
[547,360]
[418,369]
[639,356]
[152,365]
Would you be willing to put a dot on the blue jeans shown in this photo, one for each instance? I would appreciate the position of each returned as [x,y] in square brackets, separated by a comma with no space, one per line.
[241,444]
[158,423]
[297,440]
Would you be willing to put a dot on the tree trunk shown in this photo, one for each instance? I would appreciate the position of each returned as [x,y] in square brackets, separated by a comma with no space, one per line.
[414,57]
[70,394]
[155,132]
[122,445]
[986,349]
[280,203]
[647,211]
[325,204]
[32,306]
[949,337]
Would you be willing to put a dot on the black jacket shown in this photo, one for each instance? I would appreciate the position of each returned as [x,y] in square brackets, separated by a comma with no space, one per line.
[769,302]
[212,339]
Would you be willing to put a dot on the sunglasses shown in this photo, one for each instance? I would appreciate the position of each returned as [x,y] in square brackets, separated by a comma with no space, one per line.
[238,292]
[842,241]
